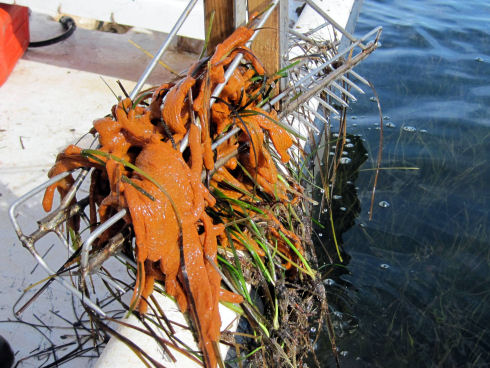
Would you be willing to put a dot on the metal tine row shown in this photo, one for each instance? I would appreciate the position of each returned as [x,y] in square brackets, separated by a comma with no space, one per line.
[307,81]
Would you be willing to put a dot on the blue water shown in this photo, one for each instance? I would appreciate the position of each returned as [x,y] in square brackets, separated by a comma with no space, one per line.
[415,291]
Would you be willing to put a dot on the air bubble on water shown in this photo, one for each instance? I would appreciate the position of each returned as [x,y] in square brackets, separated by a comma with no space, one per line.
[363,225]
[325,210]
[331,153]
[390,125]
[336,135]
[349,182]
[386,117]
[320,234]
[409,128]
[338,314]
[353,117]
[345,153]
[322,190]
[384,204]
[372,99]
[349,145]
[344,353]
[354,125]
[345,160]
[347,140]
[356,188]
[384,266]
[479,59]
[343,209]
[366,154]
[313,329]
[336,196]
[423,130]
[329,282]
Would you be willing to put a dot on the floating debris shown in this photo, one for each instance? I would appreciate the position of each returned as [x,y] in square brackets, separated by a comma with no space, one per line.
[384,204]
[409,128]
[329,282]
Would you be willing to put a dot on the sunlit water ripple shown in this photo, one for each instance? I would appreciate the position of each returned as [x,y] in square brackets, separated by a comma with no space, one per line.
[417,289]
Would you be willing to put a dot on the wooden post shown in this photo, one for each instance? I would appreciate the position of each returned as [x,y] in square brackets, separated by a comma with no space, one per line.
[268,44]
[223,23]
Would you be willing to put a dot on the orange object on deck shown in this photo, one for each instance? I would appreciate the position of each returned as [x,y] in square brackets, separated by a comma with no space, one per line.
[14,37]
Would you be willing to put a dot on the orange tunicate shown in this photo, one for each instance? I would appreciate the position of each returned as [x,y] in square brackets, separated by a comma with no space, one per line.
[228,149]
[237,85]
[221,116]
[280,137]
[174,113]
[157,225]
[238,38]
[201,106]
[175,218]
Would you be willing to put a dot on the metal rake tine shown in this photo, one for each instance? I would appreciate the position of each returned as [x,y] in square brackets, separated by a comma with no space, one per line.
[352,84]
[318,28]
[335,97]
[307,122]
[359,77]
[315,71]
[302,36]
[326,105]
[343,90]
[317,115]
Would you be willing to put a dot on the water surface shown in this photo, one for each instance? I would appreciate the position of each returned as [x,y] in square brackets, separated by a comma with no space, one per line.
[416,288]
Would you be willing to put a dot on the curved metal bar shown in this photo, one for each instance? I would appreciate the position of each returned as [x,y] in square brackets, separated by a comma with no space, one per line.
[87,245]
[25,197]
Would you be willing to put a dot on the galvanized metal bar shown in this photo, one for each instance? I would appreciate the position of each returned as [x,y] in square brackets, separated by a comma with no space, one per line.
[87,245]
[161,51]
